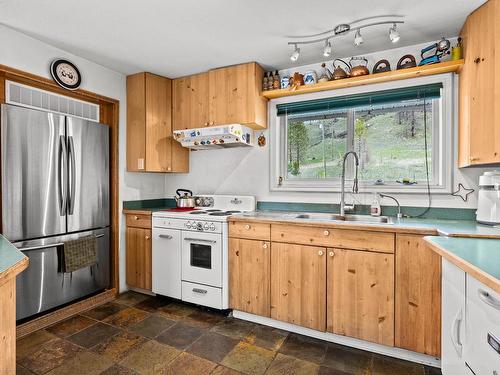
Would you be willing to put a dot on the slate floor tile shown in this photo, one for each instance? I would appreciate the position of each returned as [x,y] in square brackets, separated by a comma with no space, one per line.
[428,370]
[71,326]
[213,346]
[32,342]
[249,359]
[180,336]
[176,311]
[303,347]
[93,335]
[284,364]
[22,371]
[323,370]
[348,360]
[131,298]
[118,346]
[203,319]
[267,337]
[383,365]
[152,326]
[234,328]
[49,356]
[126,318]
[103,311]
[222,370]
[152,304]
[189,364]
[150,358]
[118,370]
[83,363]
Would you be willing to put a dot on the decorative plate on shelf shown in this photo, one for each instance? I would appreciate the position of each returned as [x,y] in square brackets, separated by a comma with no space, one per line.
[66,74]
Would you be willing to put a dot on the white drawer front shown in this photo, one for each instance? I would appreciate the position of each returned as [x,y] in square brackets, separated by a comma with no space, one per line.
[482,345]
[202,295]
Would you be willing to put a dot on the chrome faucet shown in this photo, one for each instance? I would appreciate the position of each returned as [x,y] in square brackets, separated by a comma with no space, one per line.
[343,207]
[399,215]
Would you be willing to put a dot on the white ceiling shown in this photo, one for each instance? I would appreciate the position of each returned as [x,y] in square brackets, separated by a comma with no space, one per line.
[176,38]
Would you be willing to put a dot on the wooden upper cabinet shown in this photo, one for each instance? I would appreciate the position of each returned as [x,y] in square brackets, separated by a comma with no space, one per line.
[236,96]
[298,285]
[479,98]
[249,276]
[418,296]
[360,301]
[150,146]
[190,102]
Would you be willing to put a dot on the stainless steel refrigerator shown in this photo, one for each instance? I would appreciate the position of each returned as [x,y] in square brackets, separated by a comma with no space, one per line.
[55,187]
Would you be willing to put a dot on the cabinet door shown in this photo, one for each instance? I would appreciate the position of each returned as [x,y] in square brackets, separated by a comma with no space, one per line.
[190,102]
[158,123]
[298,285]
[418,296]
[138,258]
[136,122]
[361,295]
[249,272]
[235,96]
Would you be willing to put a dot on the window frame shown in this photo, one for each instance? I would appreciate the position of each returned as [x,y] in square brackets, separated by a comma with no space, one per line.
[442,140]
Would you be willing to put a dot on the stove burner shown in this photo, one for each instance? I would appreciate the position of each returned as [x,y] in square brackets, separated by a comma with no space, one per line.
[233,212]
[198,212]
[212,210]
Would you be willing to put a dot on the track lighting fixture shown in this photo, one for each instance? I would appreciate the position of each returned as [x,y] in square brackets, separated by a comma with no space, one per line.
[394,34]
[327,49]
[295,55]
[358,39]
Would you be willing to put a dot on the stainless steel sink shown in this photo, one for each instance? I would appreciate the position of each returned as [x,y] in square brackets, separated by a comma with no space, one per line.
[369,219]
[319,216]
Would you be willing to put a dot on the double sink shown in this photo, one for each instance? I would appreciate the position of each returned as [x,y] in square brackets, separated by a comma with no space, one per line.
[318,216]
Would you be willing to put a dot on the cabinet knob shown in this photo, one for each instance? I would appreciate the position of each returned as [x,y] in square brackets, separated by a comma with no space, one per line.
[212,123]
[237,253]
[169,169]
[320,253]
[206,123]
[136,217]
[331,253]
[326,232]
[247,227]
[264,245]
[147,237]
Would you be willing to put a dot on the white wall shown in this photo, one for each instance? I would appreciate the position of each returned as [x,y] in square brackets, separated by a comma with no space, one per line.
[33,56]
[246,171]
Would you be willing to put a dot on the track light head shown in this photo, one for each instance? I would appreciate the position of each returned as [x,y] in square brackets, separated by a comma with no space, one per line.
[295,55]
[394,34]
[327,49]
[358,39]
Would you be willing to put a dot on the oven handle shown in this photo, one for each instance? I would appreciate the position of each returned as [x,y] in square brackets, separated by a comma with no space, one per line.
[166,236]
[199,240]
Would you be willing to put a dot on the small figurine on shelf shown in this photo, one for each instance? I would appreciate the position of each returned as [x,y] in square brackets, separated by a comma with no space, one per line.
[285,82]
[326,75]
[276,81]
[457,51]
[264,81]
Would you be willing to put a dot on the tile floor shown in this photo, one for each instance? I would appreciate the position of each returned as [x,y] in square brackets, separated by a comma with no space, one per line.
[137,334]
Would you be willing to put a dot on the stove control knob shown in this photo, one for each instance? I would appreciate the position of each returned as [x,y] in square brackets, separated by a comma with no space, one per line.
[206,226]
[212,227]
[188,225]
[199,226]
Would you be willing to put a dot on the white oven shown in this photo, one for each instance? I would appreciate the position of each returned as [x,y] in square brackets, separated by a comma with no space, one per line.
[202,258]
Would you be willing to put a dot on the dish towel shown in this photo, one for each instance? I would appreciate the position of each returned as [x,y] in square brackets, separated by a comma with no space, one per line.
[79,253]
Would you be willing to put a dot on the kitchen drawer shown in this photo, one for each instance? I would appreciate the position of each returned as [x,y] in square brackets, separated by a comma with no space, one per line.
[249,230]
[340,238]
[202,295]
[139,221]
[482,325]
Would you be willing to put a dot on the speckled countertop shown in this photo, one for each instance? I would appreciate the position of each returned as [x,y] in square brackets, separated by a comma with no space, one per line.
[12,261]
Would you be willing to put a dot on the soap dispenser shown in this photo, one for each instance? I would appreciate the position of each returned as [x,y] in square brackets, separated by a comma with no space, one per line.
[375,209]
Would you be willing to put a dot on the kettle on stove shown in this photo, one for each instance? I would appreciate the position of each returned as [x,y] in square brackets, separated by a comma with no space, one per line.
[488,202]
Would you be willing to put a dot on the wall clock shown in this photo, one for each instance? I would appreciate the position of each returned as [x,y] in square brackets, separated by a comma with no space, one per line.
[66,74]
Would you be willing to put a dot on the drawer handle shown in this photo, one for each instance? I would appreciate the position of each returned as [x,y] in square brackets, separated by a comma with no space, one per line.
[455,333]
[488,299]
[199,240]
[247,227]
[320,253]
[199,291]
[494,342]
[326,232]
[166,236]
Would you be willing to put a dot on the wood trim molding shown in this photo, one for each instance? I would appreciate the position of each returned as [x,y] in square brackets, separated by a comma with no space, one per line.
[109,115]
[64,313]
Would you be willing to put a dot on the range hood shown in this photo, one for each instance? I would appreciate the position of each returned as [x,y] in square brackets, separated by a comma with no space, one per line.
[224,136]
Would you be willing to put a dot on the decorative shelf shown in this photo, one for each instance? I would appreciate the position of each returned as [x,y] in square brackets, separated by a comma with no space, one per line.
[393,75]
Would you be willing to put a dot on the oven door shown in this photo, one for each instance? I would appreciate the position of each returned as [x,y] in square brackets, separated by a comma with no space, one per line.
[202,258]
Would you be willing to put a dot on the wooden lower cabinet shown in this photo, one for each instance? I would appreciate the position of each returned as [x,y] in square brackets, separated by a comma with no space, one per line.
[138,259]
[418,296]
[249,276]
[361,295]
[298,285]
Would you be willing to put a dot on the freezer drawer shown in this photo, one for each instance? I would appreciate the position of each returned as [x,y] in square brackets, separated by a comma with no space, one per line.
[482,346]
[166,264]
[42,286]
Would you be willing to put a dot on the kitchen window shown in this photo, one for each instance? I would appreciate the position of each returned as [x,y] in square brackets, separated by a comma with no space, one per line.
[401,134]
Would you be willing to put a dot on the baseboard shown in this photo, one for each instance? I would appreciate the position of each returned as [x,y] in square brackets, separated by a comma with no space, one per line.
[343,340]
[142,291]
[64,313]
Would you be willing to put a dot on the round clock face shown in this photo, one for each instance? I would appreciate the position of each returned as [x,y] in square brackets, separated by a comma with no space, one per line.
[66,74]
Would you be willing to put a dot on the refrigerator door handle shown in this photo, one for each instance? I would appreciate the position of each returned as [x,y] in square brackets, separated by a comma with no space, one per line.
[62,175]
[73,176]
[48,246]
